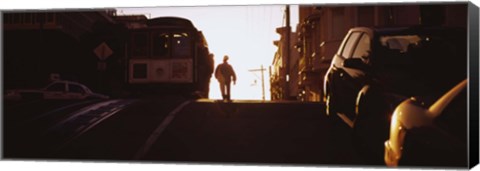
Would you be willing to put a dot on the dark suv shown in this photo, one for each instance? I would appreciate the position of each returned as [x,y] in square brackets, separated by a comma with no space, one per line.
[377,68]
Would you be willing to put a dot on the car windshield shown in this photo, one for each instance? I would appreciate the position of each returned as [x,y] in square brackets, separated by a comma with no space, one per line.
[422,63]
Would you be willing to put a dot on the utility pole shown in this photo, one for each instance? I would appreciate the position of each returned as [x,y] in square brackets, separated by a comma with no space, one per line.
[287,63]
[263,82]
[270,80]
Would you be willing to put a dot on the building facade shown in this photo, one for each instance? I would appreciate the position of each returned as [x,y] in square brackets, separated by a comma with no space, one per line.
[283,75]
[39,43]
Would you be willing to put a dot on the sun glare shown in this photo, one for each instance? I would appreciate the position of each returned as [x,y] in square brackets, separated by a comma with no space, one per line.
[244,33]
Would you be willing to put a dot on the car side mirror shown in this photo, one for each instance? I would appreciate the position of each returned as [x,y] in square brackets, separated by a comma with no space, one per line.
[355,63]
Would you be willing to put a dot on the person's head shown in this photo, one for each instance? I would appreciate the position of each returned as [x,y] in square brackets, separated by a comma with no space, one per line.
[225,58]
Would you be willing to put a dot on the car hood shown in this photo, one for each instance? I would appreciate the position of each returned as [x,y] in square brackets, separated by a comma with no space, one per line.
[414,112]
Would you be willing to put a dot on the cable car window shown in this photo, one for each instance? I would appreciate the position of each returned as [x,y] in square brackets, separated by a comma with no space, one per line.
[160,45]
[182,45]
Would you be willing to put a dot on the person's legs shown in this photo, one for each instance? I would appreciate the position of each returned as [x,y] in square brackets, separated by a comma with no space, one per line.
[228,90]
[222,89]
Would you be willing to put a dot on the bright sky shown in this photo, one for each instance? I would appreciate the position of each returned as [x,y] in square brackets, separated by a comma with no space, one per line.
[244,33]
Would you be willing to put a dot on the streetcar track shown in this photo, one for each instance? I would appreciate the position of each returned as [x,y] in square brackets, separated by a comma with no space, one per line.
[43,115]
[84,120]
[92,123]
[83,111]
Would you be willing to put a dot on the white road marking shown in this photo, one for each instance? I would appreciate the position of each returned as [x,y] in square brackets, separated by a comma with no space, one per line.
[158,131]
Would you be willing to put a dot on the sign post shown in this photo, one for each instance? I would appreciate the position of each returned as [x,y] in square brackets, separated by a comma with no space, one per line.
[103,51]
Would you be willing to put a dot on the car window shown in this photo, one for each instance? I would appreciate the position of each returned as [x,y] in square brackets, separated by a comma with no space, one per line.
[56,87]
[400,43]
[75,88]
[399,50]
[363,48]
[347,49]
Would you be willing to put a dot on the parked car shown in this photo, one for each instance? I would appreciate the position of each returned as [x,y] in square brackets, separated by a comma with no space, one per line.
[430,135]
[57,90]
[375,69]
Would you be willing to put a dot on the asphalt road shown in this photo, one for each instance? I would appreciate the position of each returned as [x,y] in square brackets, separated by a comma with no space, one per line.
[174,129]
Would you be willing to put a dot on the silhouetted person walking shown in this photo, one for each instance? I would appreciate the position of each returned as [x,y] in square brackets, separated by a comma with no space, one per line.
[225,74]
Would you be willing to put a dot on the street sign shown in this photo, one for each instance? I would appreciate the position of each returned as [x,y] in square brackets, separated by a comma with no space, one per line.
[101,66]
[103,51]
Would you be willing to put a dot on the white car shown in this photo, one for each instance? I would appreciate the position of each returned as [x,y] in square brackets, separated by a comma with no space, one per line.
[57,90]
[430,134]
